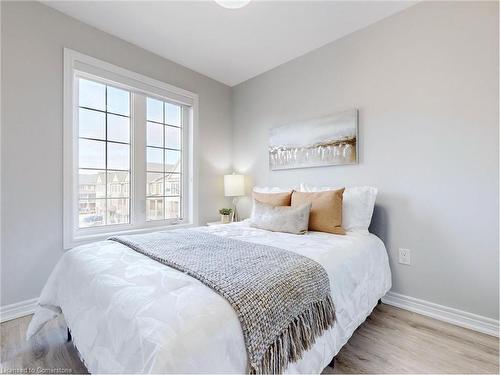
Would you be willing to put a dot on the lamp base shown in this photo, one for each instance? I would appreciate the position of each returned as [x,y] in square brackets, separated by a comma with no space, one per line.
[236,216]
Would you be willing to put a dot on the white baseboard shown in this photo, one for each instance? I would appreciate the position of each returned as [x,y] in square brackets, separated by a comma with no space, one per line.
[446,314]
[17,310]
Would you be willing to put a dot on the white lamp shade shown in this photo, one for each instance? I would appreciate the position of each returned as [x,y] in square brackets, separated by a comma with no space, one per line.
[234,185]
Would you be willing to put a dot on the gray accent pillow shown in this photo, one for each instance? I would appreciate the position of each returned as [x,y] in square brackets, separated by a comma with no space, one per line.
[280,218]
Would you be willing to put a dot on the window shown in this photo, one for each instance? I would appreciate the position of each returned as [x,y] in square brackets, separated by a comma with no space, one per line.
[128,152]
[164,162]
[104,154]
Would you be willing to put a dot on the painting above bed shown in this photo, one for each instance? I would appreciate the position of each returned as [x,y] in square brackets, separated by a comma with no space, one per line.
[329,140]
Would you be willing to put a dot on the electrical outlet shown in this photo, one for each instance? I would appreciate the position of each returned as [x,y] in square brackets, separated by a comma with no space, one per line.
[405,256]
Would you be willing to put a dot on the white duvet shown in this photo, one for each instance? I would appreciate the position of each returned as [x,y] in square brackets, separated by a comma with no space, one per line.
[129,313]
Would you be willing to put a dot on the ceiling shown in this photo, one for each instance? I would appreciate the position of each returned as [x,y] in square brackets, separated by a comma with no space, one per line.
[229,45]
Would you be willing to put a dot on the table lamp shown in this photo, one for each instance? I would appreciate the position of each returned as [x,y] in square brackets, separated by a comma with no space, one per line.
[234,186]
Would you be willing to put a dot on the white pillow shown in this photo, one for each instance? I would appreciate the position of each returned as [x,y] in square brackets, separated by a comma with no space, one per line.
[267,189]
[280,218]
[357,206]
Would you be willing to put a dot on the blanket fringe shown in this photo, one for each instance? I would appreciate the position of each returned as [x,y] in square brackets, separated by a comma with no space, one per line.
[297,338]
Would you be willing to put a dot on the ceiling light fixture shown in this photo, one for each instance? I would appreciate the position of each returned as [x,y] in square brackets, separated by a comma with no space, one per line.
[232,4]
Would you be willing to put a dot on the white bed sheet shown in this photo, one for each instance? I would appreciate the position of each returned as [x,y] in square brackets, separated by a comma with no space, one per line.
[129,313]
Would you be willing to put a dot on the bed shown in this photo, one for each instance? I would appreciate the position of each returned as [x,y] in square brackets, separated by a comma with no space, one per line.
[129,313]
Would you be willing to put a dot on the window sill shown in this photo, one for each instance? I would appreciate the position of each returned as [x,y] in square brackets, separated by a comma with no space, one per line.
[82,240]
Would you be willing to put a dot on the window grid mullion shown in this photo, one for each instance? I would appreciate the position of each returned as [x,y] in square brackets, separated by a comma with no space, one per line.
[164,163]
[106,154]
[157,147]
[153,121]
[105,140]
[181,185]
[104,111]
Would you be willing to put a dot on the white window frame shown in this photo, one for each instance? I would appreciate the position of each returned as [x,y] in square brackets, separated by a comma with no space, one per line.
[78,65]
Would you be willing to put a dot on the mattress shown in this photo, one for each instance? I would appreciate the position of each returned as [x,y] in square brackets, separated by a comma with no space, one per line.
[129,313]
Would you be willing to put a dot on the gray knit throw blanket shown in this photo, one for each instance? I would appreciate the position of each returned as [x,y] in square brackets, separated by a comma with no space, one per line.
[282,299]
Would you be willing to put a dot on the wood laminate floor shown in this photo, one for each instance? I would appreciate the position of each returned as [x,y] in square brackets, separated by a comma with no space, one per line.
[390,341]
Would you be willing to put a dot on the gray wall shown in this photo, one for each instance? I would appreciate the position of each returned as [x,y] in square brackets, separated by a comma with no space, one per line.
[33,37]
[426,84]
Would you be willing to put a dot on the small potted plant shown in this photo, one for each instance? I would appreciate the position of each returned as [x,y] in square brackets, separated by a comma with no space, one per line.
[225,215]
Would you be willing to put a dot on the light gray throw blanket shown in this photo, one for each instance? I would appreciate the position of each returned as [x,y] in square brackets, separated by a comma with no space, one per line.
[282,299]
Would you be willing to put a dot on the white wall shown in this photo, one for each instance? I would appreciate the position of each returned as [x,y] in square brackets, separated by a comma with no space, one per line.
[426,85]
[33,37]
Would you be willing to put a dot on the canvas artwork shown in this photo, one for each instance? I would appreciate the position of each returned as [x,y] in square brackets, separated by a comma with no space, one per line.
[329,140]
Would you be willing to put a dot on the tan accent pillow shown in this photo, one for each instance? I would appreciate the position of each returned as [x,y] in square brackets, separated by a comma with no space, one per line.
[326,209]
[274,199]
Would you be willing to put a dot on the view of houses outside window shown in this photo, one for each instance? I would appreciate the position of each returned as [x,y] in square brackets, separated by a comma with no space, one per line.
[104,154]
[164,140]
